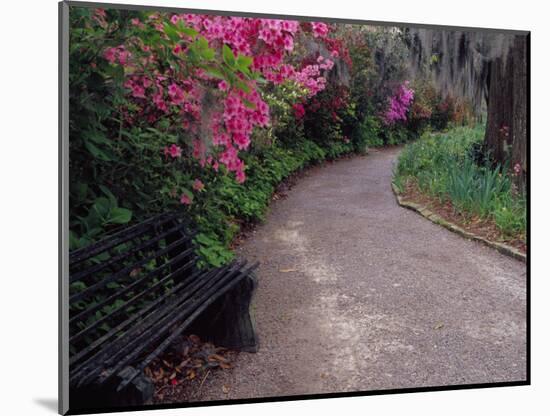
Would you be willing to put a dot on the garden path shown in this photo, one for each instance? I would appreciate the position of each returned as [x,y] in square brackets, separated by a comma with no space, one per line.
[356,293]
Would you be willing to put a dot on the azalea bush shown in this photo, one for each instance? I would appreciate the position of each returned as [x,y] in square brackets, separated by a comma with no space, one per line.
[324,118]
[208,114]
[399,104]
[161,102]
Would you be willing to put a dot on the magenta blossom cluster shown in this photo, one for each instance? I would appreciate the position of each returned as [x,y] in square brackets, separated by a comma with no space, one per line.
[159,91]
[399,104]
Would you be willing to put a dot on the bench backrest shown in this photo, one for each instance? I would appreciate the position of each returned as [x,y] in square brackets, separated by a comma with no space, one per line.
[123,276]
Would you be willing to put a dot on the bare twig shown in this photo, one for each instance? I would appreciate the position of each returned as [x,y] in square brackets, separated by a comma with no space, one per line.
[203,380]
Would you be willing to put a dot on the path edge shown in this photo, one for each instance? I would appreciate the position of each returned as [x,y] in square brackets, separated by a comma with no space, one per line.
[437,219]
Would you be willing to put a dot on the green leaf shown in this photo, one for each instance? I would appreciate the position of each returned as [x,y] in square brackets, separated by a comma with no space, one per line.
[120,215]
[243,86]
[187,192]
[249,104]
[101,207]
[116,72]
[243,61]
[109,194]
[215,72]
[202,43]
[95,136]
[78,286]
[97,152]
[203,239]
[228,56]
[208,54]
[192,53]
[171,32]
[246,72]
[186,30]
[81,191]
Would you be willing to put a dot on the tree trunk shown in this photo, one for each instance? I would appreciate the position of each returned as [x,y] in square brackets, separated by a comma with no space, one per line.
[519,133]
[506,132]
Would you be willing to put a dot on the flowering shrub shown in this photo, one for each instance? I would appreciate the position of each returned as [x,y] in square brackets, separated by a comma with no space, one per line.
[158,101]
[209,113]
[399,104]
[324,114]
[181,61]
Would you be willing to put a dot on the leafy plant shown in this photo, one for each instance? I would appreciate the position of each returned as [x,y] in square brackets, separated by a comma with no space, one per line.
[449,166]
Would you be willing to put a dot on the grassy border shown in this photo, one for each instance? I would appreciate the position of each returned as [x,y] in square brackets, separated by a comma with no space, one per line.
[436,219]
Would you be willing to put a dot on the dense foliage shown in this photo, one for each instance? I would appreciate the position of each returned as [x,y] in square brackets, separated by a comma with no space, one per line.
[207,114]
[450,167]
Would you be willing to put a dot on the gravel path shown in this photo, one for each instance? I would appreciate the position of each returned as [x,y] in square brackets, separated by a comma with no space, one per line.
[356,293]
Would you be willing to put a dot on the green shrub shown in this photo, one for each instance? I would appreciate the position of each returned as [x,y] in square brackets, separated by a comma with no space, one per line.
[367,134]
[224,204]
[448,166]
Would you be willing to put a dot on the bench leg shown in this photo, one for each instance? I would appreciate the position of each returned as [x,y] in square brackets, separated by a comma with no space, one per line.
[228,322]
[137,393]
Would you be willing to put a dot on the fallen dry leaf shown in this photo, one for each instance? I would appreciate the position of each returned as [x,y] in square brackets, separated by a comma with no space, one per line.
[287,270]
[217,357]
[225,389]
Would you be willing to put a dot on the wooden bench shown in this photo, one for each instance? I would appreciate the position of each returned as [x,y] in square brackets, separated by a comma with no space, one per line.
[136,291]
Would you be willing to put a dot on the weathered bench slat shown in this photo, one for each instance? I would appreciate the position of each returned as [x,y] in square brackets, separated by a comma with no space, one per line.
[121,309]
[124,272]
[119,237]
[186,312]
[94,345]
[163,319]
[221,289]
[121,346]
[83,274]
[149,276]
[138,290]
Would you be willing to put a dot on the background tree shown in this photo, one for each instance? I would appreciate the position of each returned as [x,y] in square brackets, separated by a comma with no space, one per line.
[490,70]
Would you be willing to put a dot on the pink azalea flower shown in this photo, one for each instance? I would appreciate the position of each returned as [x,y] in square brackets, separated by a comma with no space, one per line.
[173,151]
[240,176]
[185,199]
[320,30]
[299,111]
[288,43]
[198,185]
[176,93]
[399,104]
[222,85]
